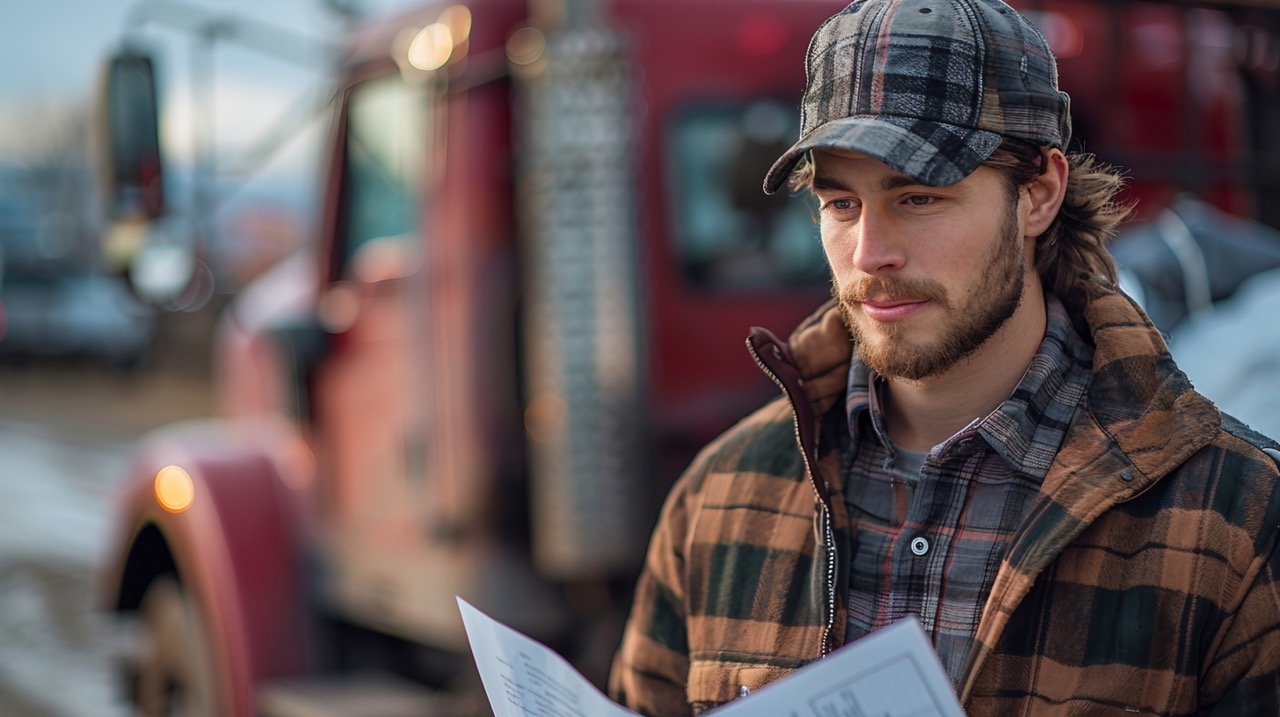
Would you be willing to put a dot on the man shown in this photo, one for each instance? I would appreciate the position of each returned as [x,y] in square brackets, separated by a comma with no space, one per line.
[979,430]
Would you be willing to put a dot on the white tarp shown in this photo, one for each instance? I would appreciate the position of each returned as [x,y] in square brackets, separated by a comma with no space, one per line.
[1232,352]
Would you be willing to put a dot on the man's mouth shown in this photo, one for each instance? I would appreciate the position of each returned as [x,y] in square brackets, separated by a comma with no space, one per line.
[891,310]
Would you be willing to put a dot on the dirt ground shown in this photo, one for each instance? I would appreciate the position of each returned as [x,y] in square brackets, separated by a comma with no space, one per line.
[101,402]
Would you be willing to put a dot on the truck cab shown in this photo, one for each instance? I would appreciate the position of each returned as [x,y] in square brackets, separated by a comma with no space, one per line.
[538,255]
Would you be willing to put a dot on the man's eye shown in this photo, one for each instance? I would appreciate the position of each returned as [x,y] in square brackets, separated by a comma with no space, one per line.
[920,200]
[842,205]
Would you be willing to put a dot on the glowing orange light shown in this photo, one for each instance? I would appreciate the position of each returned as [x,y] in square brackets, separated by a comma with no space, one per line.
[174,489]
[458,19]
[431,47]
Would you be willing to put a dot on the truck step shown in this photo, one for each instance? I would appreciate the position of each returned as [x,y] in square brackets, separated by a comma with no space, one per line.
[359,695]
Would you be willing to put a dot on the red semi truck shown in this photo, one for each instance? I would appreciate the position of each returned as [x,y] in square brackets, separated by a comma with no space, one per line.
[542,241]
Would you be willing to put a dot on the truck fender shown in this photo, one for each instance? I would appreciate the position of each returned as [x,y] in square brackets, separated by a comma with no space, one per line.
[238,548]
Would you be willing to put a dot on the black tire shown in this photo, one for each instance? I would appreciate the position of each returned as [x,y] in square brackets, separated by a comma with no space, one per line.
[176,674]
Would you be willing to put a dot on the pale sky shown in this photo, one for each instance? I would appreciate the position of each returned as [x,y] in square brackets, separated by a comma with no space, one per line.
[51,52]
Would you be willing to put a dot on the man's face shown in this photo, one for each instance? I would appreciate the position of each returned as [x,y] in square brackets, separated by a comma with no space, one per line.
[924,275]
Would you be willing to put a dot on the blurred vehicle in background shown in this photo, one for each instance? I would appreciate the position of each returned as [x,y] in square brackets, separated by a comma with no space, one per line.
[56,302]
[541,245]
[1190,256]
[523,313]
[1232,352]
[1211,282]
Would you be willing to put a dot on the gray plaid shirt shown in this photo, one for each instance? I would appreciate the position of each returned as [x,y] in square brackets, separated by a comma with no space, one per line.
[929,531]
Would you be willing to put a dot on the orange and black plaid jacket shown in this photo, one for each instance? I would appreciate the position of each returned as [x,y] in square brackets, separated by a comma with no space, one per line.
[1144,579]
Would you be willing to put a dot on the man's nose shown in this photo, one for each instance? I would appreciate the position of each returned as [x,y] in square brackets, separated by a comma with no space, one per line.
[878,246]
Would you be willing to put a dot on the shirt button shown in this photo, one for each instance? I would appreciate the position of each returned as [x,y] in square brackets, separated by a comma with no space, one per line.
[919,545]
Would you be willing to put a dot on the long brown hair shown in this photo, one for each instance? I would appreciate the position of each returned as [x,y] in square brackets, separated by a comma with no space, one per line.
[1072,252]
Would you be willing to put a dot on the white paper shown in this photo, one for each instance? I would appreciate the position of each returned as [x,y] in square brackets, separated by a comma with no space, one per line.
[522,677]
[891,673]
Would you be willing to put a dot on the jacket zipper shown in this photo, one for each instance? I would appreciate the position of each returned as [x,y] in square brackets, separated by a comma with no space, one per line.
[824,512]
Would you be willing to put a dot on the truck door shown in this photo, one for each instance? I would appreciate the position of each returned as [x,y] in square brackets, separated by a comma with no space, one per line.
[367,400]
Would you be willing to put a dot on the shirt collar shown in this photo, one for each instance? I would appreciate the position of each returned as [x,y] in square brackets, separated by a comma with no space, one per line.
[1028,428]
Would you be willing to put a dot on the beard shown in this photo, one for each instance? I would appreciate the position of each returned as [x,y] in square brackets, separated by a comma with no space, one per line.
[885,348]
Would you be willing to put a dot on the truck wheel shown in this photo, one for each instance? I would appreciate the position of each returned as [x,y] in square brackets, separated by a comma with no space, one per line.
[175,669]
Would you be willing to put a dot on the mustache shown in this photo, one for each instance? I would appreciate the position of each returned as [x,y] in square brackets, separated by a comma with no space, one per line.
[882,288]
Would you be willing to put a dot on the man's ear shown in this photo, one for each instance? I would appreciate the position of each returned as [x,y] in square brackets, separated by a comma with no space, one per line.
[1045,193]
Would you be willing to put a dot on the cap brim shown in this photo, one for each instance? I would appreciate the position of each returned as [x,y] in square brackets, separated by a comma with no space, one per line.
[934,154]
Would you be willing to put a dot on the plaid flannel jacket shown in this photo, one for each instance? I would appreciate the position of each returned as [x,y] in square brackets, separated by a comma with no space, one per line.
[1144,579]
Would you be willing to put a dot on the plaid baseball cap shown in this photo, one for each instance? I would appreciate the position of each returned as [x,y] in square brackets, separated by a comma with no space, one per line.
[929,87]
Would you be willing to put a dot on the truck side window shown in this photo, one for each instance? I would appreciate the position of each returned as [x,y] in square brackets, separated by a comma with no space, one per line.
[385,145]
[728,234]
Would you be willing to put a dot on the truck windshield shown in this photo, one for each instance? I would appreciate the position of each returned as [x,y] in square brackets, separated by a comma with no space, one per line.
[728,234]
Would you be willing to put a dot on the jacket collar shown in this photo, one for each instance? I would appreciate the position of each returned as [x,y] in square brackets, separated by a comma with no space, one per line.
[822,349]
[1137,396]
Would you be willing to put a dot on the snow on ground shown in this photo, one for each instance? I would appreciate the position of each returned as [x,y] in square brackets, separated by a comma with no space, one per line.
[54,511]
[65,437]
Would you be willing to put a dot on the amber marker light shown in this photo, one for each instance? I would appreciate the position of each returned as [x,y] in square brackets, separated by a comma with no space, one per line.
[174,489]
